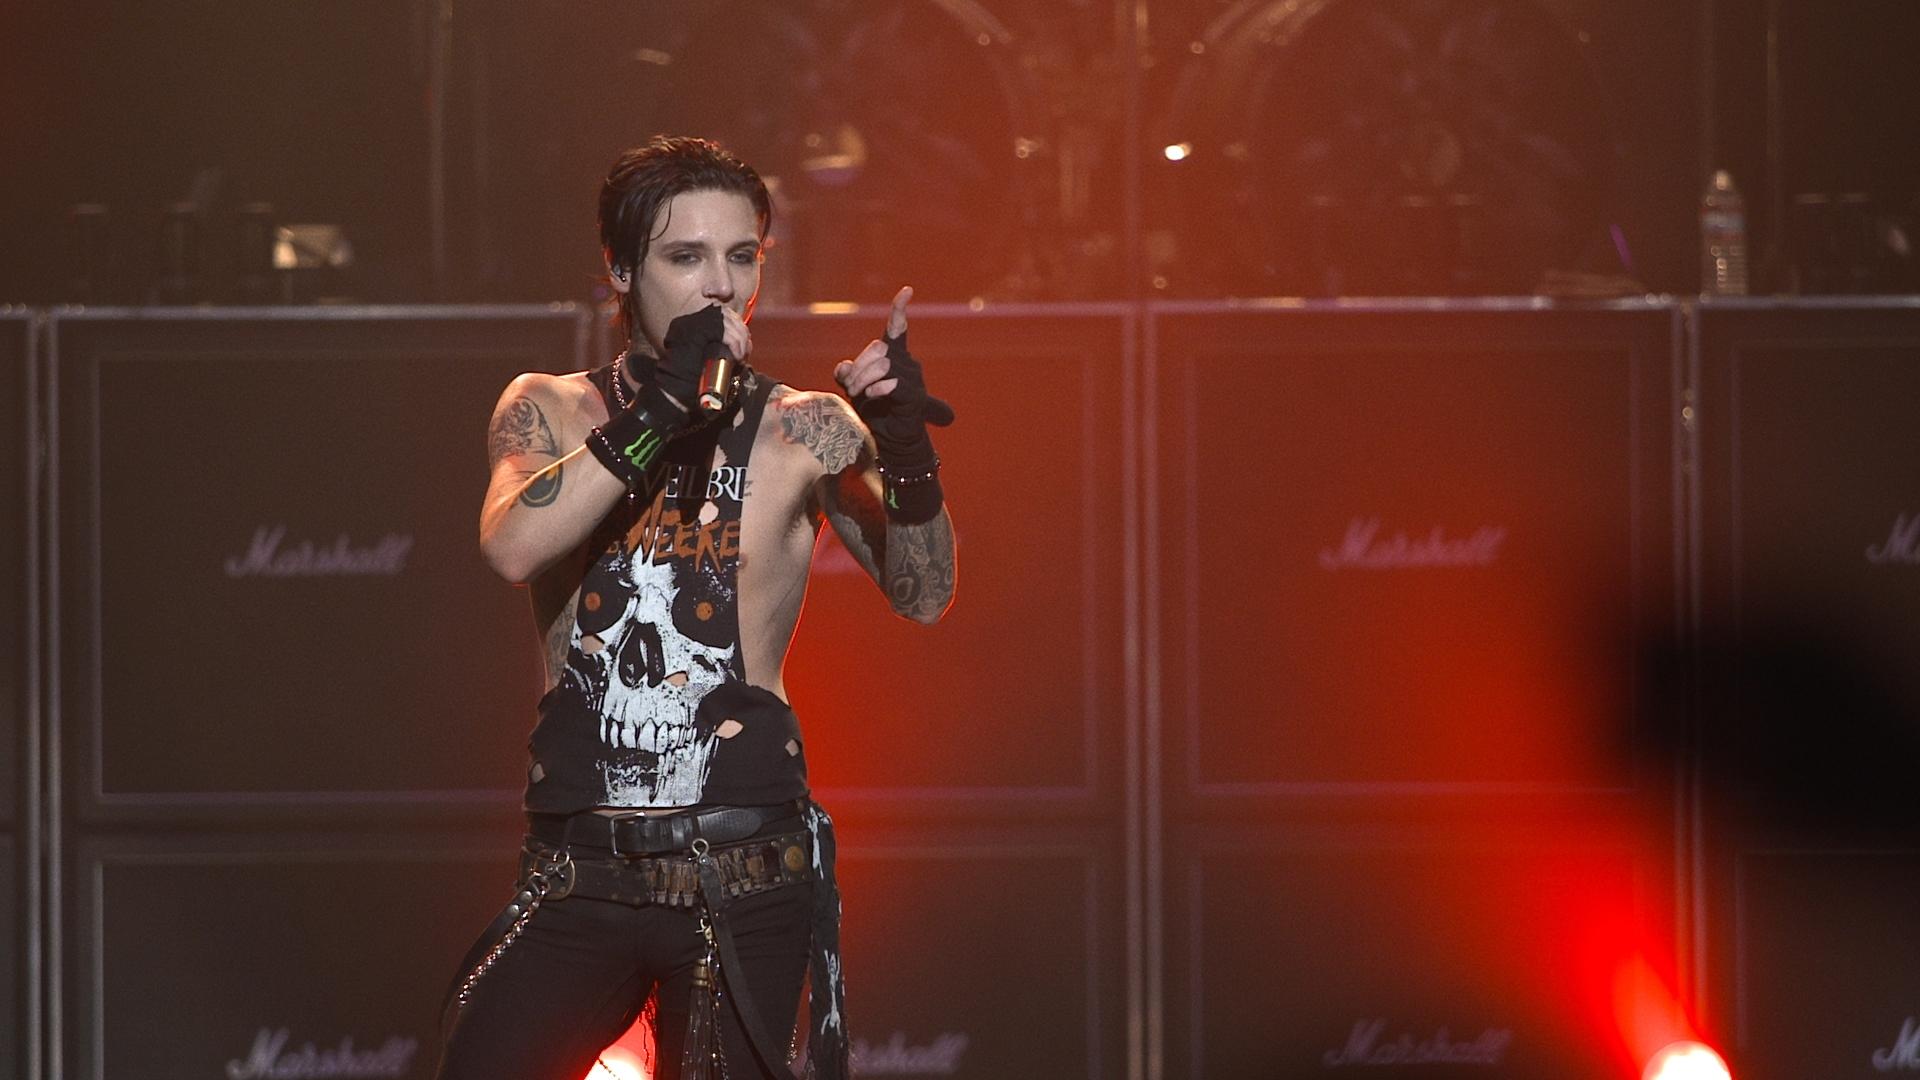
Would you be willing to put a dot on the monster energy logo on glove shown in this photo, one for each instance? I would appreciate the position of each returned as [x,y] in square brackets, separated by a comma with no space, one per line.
[641,450]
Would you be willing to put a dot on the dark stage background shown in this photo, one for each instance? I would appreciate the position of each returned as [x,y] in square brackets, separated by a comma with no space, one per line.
[1396,634]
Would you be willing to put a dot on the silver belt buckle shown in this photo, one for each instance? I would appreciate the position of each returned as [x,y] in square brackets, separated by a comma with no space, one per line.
[613,833]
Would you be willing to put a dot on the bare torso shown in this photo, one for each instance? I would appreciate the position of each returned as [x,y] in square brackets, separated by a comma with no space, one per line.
[812,463]
[779,524]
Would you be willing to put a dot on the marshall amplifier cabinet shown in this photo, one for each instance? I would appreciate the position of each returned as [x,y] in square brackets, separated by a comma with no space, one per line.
[1016,698]
[1407,549]
[984,953]
[269,591]
[1298,956]
[1809,554]
[197,956]
[1826,963]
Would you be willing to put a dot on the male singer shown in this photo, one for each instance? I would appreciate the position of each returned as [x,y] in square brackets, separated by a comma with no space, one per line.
[663,511]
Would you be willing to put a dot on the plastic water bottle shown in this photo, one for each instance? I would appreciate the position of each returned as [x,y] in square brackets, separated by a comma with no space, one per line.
[1723,238]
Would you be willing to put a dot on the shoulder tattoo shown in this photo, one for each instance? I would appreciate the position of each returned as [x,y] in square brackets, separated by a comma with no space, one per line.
[821,424]
[520,428]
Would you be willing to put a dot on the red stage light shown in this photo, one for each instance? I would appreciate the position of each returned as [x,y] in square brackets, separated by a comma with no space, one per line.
[617,1063]
[1686,1061]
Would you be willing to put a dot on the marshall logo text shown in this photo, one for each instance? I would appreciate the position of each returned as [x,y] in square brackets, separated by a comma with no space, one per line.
[1903,544]
[1365,549]
[271,1060]
[271,556]
[1904,1054]
[1365,1047]
[896,1057]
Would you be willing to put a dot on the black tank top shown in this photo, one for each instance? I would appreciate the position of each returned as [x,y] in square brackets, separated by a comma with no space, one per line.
[654,673]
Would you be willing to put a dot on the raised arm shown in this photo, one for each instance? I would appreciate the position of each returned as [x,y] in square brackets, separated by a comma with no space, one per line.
[546,493]
[556,475]
[912,563]
[882,489]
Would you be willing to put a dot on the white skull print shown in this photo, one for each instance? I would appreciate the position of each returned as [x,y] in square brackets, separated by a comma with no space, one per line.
[651,679]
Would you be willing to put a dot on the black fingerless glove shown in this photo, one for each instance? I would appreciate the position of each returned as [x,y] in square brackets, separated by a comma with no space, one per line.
[909,469]
[630,442]
[690,340]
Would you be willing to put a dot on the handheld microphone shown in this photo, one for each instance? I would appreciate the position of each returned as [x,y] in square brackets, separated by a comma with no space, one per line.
[716,380]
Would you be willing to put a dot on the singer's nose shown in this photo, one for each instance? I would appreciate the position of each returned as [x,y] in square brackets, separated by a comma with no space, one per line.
[719,285]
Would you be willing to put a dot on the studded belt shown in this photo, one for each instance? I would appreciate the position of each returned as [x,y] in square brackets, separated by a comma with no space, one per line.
[746,867]
[635,833]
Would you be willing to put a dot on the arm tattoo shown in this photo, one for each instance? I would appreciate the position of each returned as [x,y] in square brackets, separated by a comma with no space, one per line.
[821,424]
[920,567]
[560,639]
[858,520]
[918,559]
[544,486]
[520,428]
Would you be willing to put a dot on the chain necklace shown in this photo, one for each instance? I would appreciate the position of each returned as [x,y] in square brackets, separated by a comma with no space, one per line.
[618,383]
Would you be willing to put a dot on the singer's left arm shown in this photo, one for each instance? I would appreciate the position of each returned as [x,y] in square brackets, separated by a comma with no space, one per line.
[913,565]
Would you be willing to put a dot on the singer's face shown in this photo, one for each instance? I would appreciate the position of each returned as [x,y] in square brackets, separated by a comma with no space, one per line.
[705,250]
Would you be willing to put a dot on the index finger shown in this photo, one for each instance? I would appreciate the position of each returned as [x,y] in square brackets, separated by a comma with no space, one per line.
[737,336]
[897,319]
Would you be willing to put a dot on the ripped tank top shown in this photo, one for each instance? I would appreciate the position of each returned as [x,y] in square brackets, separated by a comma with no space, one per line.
[653,668]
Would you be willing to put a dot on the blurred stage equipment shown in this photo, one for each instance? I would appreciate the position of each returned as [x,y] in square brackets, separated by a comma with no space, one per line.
[311,260]
[1841,90]
[255,241]
[946,143]
[182,256]
[1382,147]
[89,254]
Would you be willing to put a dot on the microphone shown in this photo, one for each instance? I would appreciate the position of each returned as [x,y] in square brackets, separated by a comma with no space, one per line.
[716,380]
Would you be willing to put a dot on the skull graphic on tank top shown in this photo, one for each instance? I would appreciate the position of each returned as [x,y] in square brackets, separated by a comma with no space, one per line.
[637,642]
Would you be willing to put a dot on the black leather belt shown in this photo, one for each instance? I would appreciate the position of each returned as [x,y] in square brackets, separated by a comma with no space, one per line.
[745,867]
[635,834]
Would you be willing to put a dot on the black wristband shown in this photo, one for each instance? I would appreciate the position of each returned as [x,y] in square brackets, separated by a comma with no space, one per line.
[911,496]
[630,442]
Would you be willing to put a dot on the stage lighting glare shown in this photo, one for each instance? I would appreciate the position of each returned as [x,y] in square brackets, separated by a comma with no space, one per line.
[1178,151]
[618,1064]
[1686,1061]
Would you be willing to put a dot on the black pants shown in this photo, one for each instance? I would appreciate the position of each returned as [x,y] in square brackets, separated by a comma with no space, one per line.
[577,977]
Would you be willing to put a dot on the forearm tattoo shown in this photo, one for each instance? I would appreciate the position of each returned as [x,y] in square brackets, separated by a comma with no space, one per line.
[856,517]
[920,567]
[520,428]
[822,425]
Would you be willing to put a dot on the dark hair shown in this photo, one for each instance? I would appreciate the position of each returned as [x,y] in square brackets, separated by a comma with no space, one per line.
[642,181]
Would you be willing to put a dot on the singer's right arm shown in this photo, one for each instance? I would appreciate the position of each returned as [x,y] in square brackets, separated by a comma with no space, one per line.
[547,492]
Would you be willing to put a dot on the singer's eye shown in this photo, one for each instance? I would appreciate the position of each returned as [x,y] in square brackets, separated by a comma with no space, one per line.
[746,257]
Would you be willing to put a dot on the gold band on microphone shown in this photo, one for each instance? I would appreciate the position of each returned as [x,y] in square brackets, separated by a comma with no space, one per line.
[716,383]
